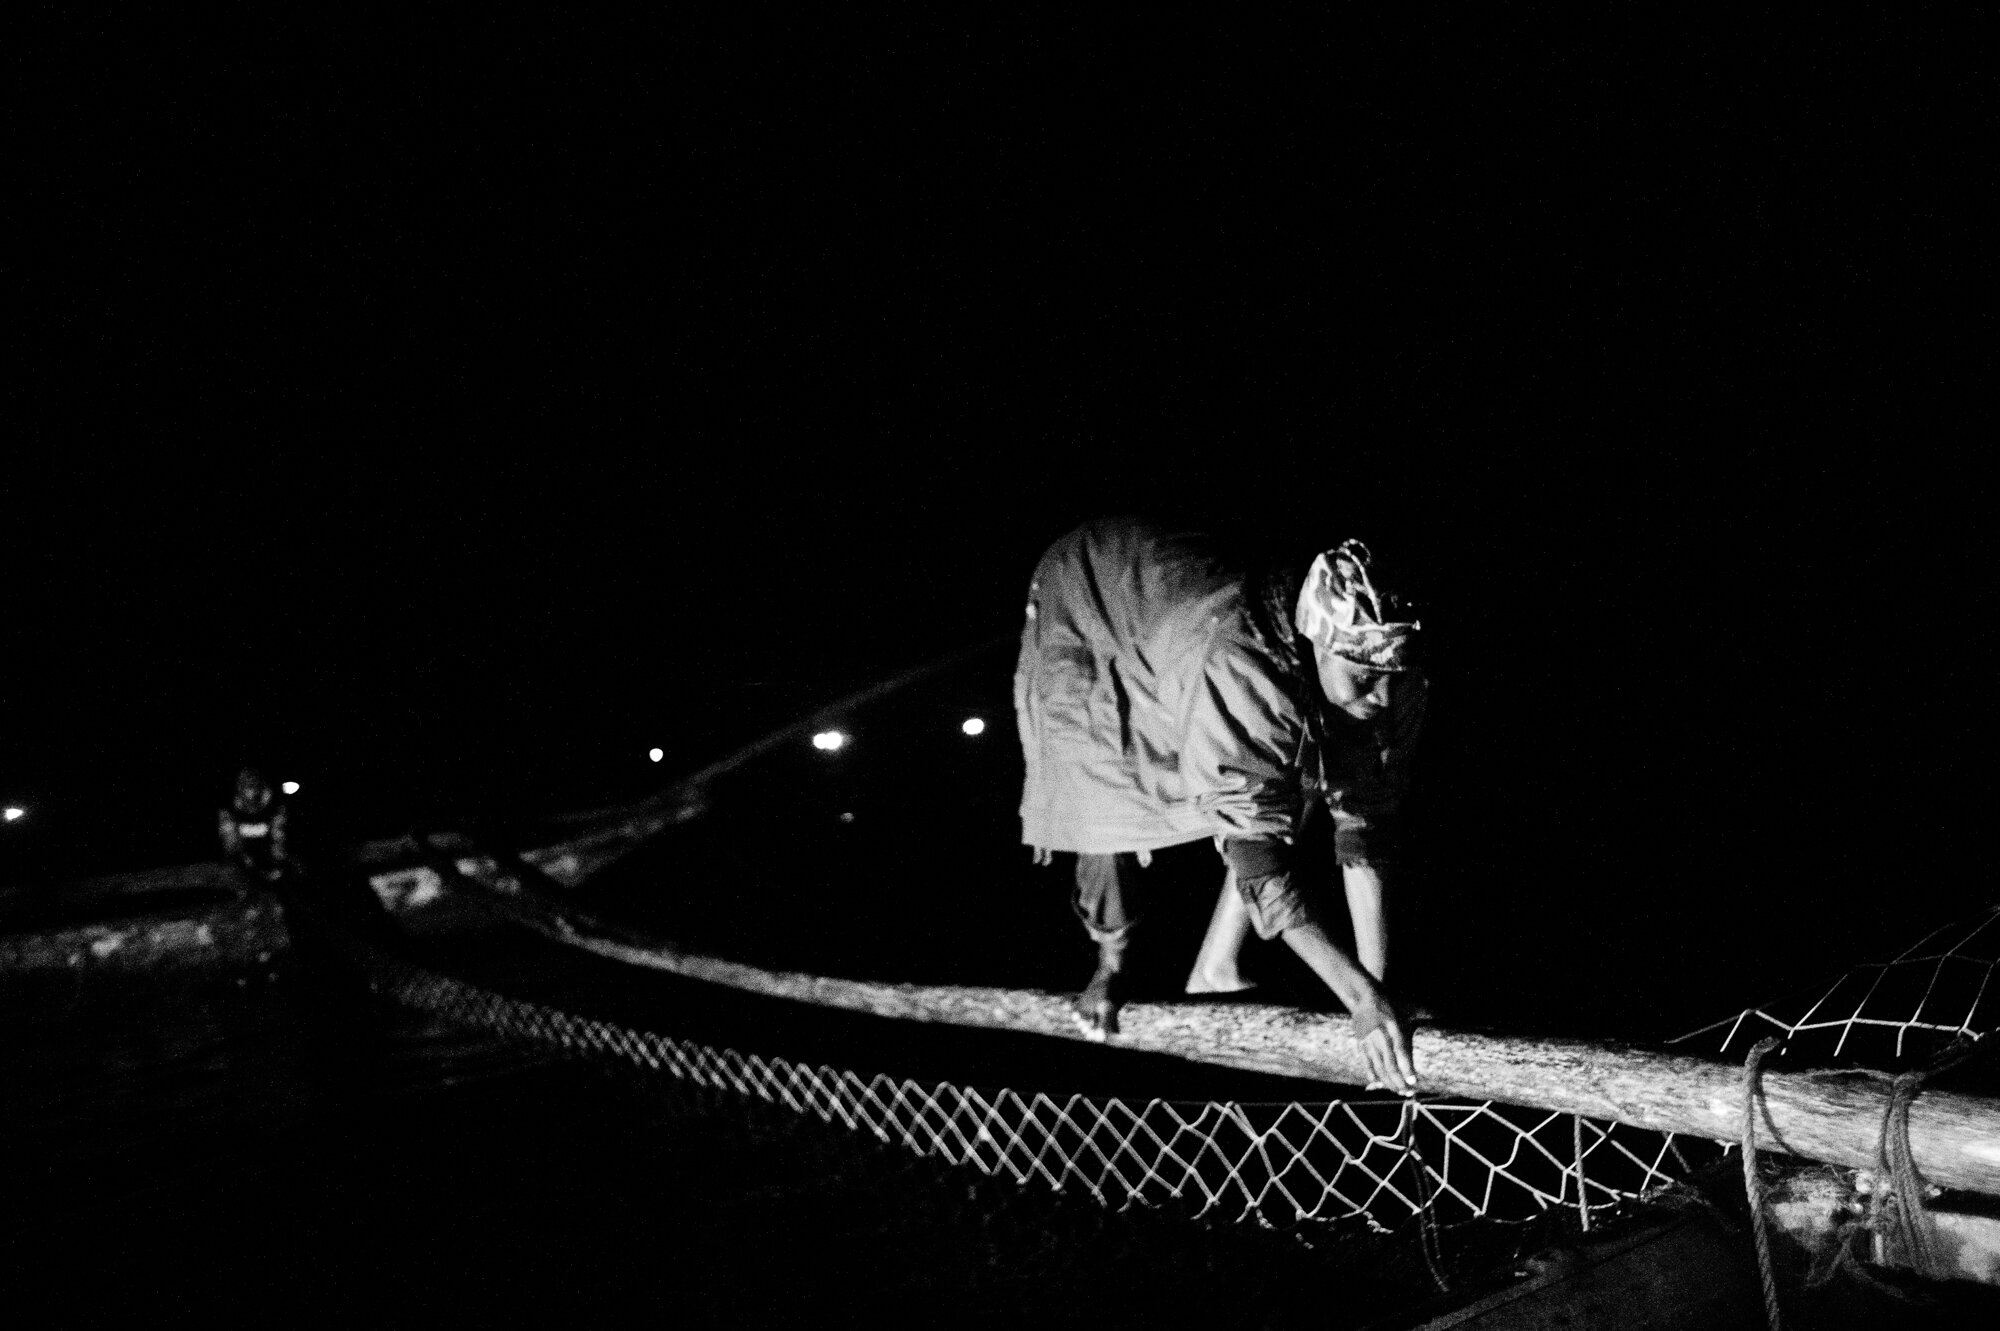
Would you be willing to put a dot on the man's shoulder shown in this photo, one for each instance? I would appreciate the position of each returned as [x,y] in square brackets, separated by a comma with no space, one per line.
[1137,537]
[1141,565]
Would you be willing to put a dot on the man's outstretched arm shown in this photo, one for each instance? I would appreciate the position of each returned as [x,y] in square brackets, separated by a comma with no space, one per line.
[1371,923]
[1384,1042]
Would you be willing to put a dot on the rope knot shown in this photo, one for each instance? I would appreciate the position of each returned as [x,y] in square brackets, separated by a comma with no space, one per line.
[1900,1216]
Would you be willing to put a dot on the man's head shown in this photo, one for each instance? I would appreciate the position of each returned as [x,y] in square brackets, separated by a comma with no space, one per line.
[253,792]
[1362,692]
[1362,636]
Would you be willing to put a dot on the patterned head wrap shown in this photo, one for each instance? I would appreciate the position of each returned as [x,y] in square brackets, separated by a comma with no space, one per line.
[1342,612]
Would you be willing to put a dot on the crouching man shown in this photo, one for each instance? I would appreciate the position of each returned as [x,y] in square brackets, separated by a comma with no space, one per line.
[1165,695]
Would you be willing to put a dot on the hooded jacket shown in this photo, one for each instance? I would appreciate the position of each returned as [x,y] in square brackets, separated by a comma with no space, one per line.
[1163,696]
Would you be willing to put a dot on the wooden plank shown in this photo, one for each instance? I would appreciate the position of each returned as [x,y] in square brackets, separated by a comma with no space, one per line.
[1675,1277]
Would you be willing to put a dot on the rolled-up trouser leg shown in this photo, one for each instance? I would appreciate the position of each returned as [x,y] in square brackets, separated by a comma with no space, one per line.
[1274,903]
[1103,900]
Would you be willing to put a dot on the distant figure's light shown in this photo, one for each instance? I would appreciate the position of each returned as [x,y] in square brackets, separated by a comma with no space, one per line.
[290,787]
[847,817]
[974,726]
[655,755]
[14,815]
[829,740]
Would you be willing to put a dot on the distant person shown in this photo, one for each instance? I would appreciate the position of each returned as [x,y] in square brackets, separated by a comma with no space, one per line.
[1165,695]
[253,828]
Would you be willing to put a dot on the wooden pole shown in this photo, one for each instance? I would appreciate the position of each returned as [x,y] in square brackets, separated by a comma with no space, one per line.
[1955,1138]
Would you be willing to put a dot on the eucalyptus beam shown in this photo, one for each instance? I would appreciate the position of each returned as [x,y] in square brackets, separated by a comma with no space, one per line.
[1955,1138]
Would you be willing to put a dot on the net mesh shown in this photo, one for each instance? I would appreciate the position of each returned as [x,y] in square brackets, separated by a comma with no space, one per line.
[1384,1162]
[1889,1015]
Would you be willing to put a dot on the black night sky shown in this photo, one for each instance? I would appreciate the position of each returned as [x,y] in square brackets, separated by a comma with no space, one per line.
[450,402]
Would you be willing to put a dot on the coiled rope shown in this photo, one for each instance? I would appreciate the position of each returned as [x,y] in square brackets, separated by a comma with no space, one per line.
[1910,1224]
[1753,1186]
[1899,1213]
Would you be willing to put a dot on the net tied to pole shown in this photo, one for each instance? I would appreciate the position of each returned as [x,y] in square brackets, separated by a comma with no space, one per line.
[1384,1162]
[1438,1163]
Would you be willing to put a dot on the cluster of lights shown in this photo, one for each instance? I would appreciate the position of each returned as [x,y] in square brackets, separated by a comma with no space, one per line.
[826,741]
[832,741]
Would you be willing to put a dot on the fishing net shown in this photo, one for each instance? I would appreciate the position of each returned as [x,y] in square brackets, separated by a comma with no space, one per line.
[1384,1161]
[1889,1015]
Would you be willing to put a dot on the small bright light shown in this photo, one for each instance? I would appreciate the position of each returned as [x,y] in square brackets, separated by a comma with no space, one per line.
[655,755]
[14,815]
[290,787]
[829,740]
[973,726]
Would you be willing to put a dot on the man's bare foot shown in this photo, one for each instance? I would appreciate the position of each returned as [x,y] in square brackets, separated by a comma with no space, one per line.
[1095,1010]
[1230,981]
